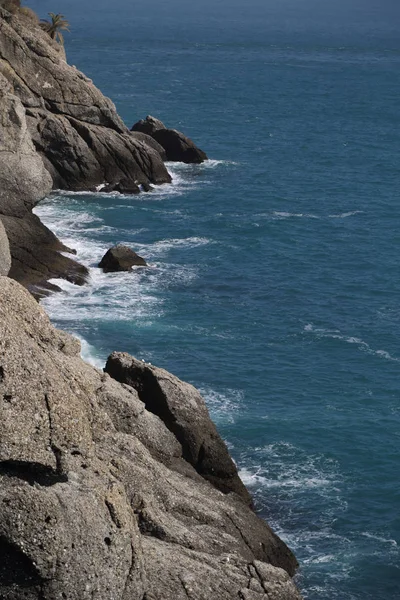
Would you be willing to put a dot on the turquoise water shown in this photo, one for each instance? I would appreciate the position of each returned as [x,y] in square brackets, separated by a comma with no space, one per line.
[274,279]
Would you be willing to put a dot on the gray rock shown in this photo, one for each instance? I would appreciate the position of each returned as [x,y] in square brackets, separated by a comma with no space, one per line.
[36,255]
[35,251]
[5,256]
[23,178]
[149,125]
[96,497]
[178,147]
[121,258]
[149,141]
[184,412]
[75,129]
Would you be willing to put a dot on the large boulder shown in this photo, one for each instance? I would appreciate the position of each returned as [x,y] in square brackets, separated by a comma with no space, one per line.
[176,145]
[149,125]
[184,412]
[121,258]
[97,499]
[5,256]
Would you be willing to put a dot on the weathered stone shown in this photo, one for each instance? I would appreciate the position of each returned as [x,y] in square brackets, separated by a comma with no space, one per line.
[35,251]
[184,412]
[36,255]
[149,141]
[97,499]
[149,125]
[121,258]
[5,256]
[23,178]
[75,129]
[178,147]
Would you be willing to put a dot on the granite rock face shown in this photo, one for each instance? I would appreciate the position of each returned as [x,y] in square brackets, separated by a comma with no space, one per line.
[177,146]
[98,499]
[5,256]
[23,182]
[75,129]
[56,131]
[185,414]
[23,179]
[149,125]
[149,141]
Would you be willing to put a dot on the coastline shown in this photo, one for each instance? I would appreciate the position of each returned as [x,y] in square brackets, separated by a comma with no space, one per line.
[224,548]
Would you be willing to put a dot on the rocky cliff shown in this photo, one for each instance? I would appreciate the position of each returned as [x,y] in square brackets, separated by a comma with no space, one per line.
[57,131]
[114,485]
[114,490]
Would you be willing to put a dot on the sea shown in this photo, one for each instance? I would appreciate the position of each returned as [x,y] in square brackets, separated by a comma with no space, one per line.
[273,282]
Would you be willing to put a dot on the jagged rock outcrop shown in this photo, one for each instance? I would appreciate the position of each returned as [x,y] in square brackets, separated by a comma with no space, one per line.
[177,146]
[5,256]
[97,499]
[23,179]
[23,182]
[121,258]
[56,131]
[149,125]
[149,141]
[75,129]
[185,414]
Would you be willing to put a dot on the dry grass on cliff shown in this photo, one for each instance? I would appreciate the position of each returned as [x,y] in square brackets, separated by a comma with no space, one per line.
[14,7]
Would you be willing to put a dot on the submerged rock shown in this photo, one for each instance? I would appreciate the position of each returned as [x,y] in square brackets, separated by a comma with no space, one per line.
[176,145]
[121,258]
[98,498]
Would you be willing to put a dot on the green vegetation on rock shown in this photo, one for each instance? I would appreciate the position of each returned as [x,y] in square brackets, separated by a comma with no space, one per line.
[53,27]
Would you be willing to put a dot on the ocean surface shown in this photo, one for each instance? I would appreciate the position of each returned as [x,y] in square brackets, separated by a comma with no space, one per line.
[274,280]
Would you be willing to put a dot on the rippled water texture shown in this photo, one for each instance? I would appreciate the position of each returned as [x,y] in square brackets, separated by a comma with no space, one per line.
[273,283]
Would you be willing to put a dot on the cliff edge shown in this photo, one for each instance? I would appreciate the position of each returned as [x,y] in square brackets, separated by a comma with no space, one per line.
[57,131]
[114,485]
[107,491]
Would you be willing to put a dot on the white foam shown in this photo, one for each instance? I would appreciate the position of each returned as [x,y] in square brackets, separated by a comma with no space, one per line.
[161,247]
[337,335]
[381,539]
[89,353]
[289,215]
[344,215]
[252,478]
[106,297]
[285,467]
[224,405]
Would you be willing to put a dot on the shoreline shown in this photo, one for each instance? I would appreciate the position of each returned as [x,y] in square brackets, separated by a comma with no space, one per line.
[84,435]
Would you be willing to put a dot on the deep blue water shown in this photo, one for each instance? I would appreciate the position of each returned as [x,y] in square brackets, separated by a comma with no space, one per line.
[274,285]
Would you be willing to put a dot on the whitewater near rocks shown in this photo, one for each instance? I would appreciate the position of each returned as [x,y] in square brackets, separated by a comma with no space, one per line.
[110,489]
